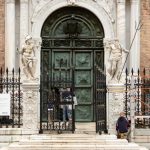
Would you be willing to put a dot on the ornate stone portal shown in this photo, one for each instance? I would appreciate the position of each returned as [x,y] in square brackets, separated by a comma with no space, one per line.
[41,12]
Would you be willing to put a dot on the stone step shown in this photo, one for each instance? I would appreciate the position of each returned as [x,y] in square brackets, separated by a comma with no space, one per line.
[130,146]
[73,136]
[73,142]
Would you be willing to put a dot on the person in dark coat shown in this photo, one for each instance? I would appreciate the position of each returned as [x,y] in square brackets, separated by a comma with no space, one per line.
[122,126]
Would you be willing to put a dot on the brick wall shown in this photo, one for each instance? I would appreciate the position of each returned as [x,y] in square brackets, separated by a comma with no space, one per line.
[2,33]
[145,34]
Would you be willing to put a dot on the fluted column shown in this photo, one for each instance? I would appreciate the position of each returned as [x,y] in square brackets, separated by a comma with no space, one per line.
[10,34]
[135,49]
[121,26]
[24,20]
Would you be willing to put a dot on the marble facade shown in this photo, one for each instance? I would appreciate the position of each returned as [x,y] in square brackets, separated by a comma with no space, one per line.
[111,13]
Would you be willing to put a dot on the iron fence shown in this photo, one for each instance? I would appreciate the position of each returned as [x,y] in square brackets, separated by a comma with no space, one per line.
[57,112]
[10,84]
[141,94]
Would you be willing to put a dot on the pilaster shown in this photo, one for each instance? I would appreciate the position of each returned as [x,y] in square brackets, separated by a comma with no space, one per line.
[24,20]
[121,26]
[10,34]
[135,49]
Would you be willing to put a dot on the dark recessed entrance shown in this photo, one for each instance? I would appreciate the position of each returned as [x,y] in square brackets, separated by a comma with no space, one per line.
[72,45]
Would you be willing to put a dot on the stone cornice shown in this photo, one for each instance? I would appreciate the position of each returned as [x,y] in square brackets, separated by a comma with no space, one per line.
[23,1]
[10,1]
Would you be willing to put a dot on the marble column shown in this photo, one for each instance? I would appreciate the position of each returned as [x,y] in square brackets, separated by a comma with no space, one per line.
[30,107]
[10,34]
[121,26]
[135,49]
[24,20]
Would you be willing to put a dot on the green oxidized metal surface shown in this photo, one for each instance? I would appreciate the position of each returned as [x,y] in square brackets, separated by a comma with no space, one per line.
[70,37]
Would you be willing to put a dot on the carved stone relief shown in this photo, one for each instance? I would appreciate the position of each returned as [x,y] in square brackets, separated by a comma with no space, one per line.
[30,107]
[115,107]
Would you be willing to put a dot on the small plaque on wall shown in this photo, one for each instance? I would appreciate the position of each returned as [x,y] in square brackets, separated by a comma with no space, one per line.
[4,104]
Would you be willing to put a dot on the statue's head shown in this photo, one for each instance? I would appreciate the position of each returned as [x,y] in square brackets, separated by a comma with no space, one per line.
[27,38]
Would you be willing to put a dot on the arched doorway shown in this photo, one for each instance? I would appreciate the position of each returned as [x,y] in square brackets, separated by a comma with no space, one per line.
[72,39]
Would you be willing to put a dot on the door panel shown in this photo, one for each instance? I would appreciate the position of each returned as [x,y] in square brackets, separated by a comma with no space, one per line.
[83,62]
[84,95]
[61,64]
[83,78]
[61,58]
[84,113]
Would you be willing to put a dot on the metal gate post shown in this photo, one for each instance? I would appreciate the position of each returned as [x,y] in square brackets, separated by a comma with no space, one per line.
[132,108]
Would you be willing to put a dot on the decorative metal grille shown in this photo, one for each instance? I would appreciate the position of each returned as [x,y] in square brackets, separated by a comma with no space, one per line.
[100,104]
[10,83]
[141,94]
[52,104]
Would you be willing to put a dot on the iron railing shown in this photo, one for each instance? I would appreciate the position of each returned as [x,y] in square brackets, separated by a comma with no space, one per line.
[52,104]
[100,103]
[141,92]
[10,84]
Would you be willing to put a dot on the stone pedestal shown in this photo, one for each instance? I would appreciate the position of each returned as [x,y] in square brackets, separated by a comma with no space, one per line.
[30,107]
[115,105]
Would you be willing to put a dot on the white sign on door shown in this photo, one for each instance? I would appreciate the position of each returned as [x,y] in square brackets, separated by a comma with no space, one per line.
[4,104]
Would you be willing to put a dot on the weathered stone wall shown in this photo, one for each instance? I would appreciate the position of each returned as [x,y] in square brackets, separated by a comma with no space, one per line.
[2,32]
[145,34]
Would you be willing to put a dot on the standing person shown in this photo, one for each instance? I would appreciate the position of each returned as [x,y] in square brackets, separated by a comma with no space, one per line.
[66,96]
[122,126]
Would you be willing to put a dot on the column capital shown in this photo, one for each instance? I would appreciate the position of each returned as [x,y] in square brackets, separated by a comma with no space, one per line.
[10,1]
[23,1]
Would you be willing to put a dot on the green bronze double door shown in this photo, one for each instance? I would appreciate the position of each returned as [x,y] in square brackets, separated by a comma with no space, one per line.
[72,39]
[80,65]
[81,62]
